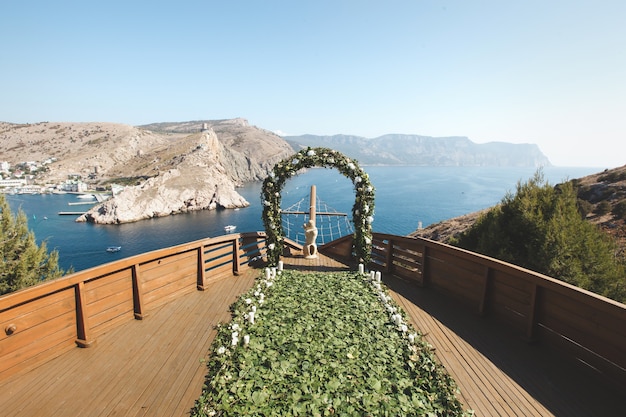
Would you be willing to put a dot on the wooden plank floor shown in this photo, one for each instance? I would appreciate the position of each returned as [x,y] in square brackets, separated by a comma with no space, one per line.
[154,367]
[151,367]
[321,263]
[499,374]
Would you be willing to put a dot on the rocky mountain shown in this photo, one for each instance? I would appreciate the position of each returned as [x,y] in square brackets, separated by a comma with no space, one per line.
[249,151]
[172,169]
[600,197]
[396,149]
[80,149]
[176,167]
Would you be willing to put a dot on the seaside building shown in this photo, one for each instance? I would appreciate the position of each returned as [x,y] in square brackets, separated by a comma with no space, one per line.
[73,186]
[12,183]
[31,189]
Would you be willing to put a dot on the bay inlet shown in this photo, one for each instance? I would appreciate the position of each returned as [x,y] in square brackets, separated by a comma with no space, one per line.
[405,197]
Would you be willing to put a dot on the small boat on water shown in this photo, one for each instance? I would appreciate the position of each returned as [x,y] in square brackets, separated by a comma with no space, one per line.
[86,196]
[230,228]
[114,248]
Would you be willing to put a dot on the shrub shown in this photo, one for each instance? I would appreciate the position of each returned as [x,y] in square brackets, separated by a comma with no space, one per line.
[619,210]
[24,263]
[613,177]
[540,228]
[604,207]
[584,207]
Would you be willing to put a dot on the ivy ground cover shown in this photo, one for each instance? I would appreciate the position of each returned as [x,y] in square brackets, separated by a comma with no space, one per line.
[317,344]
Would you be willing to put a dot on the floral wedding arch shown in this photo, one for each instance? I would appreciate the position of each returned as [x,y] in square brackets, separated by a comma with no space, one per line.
[362,210]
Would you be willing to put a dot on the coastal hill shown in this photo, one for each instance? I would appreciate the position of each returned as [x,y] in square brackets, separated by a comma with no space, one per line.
[188,166]
[600,195]
[113,151]
[175,167]
[397,149]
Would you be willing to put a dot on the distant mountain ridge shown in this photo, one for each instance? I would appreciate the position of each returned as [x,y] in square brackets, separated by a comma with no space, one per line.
[401,149]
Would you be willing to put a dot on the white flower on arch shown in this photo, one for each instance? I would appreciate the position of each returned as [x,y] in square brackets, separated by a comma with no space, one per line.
[321,157]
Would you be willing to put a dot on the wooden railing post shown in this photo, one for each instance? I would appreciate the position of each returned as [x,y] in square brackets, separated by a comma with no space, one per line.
[83,338]
[483,305]
[137,293]
[532,314]
[201,269]
[236,256]
[389,257]
[425,268]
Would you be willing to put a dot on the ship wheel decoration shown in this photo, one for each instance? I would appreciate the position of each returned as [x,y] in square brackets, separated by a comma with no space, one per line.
[362,210]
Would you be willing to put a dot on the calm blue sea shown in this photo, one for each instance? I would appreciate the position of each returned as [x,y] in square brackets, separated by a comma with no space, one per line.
[405,196]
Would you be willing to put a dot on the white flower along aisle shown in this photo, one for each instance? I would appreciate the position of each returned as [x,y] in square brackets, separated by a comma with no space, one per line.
[316,344]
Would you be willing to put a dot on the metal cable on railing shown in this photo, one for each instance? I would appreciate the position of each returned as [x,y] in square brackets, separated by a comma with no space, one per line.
[330,223]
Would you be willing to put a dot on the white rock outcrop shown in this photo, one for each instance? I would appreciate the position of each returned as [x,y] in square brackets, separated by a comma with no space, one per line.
[199,182]
[161,196]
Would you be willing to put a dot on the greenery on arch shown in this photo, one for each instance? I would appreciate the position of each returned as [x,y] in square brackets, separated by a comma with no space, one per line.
[362,210]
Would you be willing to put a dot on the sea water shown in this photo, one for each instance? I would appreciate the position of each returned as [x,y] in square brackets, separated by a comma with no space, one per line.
[406,197]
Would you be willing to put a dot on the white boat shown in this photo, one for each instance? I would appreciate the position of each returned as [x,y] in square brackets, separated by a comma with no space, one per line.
[86,196]
[114,248]
[230,228]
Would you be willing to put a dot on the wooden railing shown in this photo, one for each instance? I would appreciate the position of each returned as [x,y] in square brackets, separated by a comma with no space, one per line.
[46,320]
[587,327]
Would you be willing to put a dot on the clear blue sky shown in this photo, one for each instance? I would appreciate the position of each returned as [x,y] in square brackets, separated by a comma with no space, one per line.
[547,72]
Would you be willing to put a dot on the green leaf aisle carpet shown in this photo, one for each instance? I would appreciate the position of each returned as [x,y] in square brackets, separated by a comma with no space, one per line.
[317,344]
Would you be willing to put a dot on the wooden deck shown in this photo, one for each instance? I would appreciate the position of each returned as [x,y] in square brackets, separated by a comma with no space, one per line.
[149,367]
[153,367]
[499,374]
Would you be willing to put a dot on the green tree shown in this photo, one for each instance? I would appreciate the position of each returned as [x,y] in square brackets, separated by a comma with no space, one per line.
[584,207]
[603,208]
[540,228]
[619,210]
[24,263]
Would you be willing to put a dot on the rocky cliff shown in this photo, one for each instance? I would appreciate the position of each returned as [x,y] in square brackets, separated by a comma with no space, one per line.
[397,149]
[248,152]
[200,181]
[166,171]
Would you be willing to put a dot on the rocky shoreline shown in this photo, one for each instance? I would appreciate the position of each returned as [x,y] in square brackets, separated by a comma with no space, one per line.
[444,230]
[160,197]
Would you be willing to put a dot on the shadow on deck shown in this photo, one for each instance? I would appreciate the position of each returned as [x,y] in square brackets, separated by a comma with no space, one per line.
[498,373]
[154,367]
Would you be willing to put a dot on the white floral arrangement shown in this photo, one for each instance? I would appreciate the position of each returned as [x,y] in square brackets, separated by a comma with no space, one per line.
[362,210]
